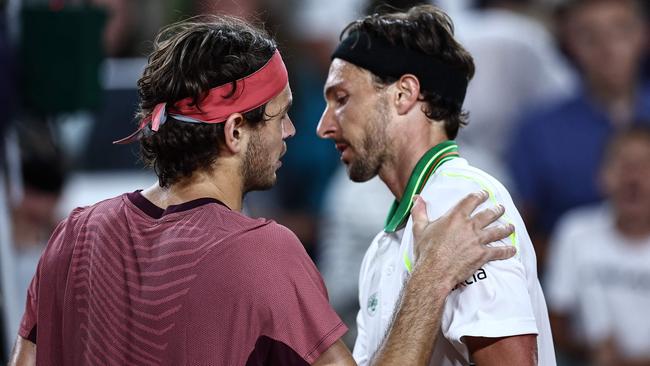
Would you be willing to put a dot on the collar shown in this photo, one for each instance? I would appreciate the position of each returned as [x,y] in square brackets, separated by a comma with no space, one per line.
[156,212]
[426,166]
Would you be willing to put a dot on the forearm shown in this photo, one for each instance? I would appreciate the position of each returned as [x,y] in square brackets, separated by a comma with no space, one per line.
[417,320]
[24,353]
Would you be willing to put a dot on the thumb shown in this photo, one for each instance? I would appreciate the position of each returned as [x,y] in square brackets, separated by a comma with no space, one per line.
[419,216]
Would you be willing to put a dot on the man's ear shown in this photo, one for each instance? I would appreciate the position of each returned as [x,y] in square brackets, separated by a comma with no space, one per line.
[407,93]
[234,133]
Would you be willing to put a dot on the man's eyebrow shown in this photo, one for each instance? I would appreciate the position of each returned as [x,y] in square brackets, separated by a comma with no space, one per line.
[327,89]
[331,88]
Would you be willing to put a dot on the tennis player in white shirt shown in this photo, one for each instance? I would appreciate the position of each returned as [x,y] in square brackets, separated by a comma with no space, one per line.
[394,95]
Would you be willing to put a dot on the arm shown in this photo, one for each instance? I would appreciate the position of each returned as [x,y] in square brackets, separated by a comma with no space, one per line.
[337,355]
[24,353]
[516,350]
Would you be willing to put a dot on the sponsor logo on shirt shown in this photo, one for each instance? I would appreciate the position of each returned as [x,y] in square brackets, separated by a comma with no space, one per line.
[479,275]
[373,303]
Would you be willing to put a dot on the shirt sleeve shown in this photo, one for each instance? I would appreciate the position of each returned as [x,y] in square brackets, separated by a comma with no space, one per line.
[29,321]
[27,328]
[494,302]
[294,305]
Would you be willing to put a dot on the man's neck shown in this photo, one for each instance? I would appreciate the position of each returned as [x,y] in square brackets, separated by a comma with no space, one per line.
[200,185]
[397,172]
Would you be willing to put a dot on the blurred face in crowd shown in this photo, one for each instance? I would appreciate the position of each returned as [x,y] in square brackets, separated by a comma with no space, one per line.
[626,176]
[267,144]
[356,118]
[606,39]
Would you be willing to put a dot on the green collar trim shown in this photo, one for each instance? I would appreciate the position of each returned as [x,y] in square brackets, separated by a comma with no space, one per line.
[432,159]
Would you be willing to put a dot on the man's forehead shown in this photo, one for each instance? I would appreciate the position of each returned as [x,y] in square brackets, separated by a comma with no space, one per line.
[286,94]
[283,99]
[342,73]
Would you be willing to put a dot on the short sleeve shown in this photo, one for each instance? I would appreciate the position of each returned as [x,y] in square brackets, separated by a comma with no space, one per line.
[28,323]
[494,302]
[295,309]
[27,328]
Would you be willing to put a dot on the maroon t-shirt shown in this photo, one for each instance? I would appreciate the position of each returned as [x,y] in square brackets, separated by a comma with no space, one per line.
[124,282]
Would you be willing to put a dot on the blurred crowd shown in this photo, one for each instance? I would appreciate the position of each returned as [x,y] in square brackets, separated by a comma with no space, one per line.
[559,112]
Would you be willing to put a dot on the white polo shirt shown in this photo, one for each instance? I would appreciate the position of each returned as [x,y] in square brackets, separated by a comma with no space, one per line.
[504,298]
[601,279]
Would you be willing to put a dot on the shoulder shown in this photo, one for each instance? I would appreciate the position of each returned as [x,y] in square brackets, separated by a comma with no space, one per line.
[456,179]
[105,207]
[459,173]
[262,259]
[80,216]
[270,235]
[268,247]
[63,239]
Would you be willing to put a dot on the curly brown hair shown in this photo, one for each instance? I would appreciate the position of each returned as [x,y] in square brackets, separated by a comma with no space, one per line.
[427,29]
[189,58]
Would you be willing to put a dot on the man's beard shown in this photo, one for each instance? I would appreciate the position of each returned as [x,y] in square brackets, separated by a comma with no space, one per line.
[258,171]
[373,151]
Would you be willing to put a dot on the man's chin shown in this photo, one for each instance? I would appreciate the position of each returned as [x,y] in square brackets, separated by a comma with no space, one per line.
[358,176]
[262,185]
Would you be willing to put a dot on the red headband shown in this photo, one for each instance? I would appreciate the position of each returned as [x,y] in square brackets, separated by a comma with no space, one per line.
[251,92]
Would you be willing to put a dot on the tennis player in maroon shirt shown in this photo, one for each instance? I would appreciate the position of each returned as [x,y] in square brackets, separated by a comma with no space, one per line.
[176,275]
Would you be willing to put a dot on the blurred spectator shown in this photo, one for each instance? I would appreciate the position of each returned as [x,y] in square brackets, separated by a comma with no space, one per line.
[6,105]
[555,155]
[518,68]
[119,27]
[34,216]
[6,75]
[599,266]
[35,180]
[353,214]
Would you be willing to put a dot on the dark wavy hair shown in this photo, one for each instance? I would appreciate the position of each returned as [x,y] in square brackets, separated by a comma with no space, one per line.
[431,31]
[188,59]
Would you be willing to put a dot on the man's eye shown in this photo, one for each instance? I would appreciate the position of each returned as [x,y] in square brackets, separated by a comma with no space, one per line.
[341,99]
